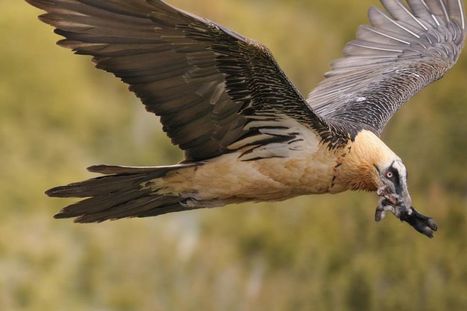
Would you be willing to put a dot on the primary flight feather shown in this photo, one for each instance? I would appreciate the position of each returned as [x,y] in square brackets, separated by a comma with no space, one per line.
[247,132]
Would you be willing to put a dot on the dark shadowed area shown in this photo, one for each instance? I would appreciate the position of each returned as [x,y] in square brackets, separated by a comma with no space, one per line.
[59,115]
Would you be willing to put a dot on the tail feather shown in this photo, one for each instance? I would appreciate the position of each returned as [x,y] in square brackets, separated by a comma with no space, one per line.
[113,169]
[118,177]
[157,205]
[100,203]
[95,186]
[121,193]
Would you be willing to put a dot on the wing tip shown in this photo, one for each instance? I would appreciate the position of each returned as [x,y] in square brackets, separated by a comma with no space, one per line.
[61,215]
[41,4]
[462,14]
[56,192]
[102,169]
[80,218]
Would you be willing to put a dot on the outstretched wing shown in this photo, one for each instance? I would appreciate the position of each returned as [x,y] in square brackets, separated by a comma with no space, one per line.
[403,50]
[210,86]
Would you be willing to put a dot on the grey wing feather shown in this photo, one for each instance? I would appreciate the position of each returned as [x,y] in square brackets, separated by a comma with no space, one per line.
[405,48]
[204,81]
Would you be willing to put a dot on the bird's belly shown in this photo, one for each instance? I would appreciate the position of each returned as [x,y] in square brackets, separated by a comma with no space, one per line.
[230,179]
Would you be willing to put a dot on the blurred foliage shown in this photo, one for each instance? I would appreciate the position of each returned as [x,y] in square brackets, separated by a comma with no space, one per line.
[58,115]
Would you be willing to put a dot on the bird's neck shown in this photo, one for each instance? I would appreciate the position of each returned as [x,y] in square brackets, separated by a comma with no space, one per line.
[357,167]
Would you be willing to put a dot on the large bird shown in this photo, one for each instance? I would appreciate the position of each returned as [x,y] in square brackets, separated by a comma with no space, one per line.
[247,132]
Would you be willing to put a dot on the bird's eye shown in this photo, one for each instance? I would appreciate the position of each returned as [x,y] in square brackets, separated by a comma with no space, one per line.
[389,174]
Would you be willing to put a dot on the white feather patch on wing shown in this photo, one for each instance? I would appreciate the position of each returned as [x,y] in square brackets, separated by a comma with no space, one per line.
[302,139]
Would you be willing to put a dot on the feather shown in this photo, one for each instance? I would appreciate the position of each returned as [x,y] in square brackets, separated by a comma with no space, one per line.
[196,75]
[122,192]
[400,13]
[456,11]
[401,52]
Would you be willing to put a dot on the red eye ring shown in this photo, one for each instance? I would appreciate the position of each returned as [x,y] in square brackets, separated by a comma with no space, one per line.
[389,174]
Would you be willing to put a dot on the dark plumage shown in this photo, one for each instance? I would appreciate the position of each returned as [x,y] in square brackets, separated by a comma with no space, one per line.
[205,81]
[223,99]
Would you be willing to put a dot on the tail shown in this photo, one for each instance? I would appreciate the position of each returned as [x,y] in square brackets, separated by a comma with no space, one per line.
[122,192]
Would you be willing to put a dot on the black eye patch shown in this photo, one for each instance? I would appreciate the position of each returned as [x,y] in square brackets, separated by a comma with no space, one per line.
[396,179]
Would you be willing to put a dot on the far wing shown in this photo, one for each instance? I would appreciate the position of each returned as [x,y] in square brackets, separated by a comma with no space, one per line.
[404,49]
[210,86]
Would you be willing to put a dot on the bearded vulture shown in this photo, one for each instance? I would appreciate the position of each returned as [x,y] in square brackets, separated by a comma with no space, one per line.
[247,132]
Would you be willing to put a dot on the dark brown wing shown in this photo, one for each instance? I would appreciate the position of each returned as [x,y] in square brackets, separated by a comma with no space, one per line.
[401,52]
[206,82]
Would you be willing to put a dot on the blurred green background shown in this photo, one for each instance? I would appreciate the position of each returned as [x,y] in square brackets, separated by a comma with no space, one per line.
[58,115]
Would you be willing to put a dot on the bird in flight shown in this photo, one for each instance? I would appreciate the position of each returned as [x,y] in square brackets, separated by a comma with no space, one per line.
[248,134]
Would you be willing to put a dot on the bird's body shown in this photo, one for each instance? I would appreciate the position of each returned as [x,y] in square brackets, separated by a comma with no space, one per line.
[313,169]
[310,169]
[247,132]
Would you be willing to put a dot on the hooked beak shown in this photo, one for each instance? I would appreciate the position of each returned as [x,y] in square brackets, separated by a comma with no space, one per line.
[405,201]
[396,203]
[400,204]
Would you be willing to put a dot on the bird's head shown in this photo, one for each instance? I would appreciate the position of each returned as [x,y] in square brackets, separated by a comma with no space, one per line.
[395,198]
[393,188]
[382,170]
[371,165]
